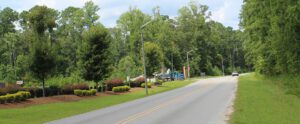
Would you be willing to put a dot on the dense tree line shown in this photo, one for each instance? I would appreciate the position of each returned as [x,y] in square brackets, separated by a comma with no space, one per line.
[271,33]
[42,42]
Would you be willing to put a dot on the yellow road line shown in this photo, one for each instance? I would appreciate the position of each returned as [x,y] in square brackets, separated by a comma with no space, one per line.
[155,108]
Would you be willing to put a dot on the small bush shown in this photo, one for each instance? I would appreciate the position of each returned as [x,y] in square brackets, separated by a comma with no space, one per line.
[3,99]
[121,89]
[78,92]
[114,83]
[148,85]
[88,93]
[10,98]
[18,97]
[137,82]
[85,92]
[94,91]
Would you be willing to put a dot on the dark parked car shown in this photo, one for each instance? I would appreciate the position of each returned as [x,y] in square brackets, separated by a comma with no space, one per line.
[235,74]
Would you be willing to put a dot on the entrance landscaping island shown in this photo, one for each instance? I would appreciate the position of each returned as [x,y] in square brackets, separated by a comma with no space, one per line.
[41,110]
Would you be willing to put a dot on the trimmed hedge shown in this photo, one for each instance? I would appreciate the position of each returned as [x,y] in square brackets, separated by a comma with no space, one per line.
[148,85]
[121,89]
[91,92]
[16,97]
[114,83]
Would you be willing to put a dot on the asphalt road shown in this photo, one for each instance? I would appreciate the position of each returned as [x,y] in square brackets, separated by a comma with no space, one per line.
[205,102]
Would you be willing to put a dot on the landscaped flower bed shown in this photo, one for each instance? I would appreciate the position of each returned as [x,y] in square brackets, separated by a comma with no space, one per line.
[16,97]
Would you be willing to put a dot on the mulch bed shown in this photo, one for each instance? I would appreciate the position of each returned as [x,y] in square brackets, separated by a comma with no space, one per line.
[60,98]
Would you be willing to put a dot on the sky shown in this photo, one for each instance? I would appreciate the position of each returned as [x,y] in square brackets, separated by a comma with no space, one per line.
[223,11]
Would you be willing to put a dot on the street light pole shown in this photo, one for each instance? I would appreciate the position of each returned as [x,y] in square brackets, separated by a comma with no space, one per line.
[223,66]
[144,62]
[143,52]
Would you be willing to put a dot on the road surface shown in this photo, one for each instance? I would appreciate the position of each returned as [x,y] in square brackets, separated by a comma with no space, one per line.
[205,102]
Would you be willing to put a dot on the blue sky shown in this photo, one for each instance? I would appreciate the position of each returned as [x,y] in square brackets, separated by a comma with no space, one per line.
[224,11]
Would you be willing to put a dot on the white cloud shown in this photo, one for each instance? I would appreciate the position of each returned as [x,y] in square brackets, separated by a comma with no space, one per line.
[224,11]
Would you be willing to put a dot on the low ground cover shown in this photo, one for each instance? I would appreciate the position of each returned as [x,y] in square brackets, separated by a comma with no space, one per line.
[262,100]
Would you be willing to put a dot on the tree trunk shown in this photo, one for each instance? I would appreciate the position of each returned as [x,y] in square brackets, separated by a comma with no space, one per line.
[43,87]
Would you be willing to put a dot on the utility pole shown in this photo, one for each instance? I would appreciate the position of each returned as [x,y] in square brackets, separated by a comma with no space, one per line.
[172,66]
[143,52]
[188,64]
[223,66]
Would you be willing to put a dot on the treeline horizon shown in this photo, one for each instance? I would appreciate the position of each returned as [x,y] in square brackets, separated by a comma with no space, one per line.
[72,43]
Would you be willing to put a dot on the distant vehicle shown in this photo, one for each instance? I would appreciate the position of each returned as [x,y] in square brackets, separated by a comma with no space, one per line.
[235,73]
[164,77]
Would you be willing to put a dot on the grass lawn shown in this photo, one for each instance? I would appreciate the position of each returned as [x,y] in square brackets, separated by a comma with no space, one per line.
[261,101]
[48,112]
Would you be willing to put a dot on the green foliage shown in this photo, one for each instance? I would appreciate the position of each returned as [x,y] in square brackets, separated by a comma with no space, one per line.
[148,85]
[3,99]
[91,92]
[42,18]
[15,97]
[154,58]
[7,18]
[121,89]
[78,92]
[268,98]
[113,83]
[72,46]
[96,59]
[272,42]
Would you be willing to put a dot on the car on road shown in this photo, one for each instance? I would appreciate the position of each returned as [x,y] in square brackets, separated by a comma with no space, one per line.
[235,73]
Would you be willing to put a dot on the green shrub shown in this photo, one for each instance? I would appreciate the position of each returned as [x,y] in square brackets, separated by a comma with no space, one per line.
[78,92]
[28,95]
[10,98]
[137,82]
[23,95]
[114,83]
[94,91]
[18,97]
[85,92]
[148,85]
[121,89]
[3,99]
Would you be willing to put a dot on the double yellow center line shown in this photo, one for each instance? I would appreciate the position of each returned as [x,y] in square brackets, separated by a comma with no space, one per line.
[155,108]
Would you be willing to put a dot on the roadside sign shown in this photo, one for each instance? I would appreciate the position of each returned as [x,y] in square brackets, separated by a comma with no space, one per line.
[19,82]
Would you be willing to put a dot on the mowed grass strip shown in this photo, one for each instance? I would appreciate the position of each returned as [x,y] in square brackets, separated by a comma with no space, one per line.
[261,101]
[48,112]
